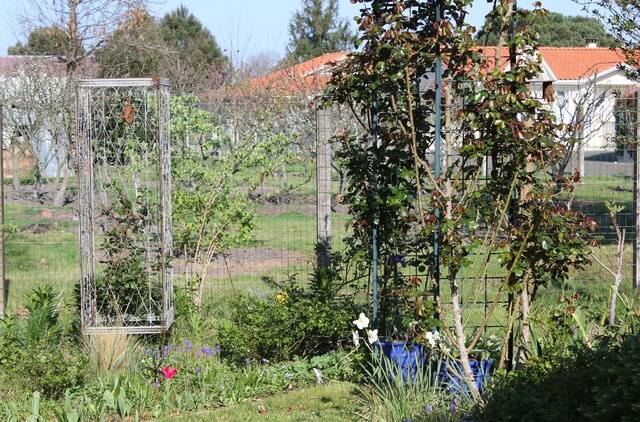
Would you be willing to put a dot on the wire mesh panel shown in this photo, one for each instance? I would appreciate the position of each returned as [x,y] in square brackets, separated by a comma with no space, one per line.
[247,165]
[40,241]
[124,175]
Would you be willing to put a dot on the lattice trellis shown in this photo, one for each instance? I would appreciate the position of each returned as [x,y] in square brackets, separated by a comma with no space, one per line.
[124,172]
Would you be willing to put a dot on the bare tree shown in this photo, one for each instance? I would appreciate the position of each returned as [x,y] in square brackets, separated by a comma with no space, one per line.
[585,110]
[83,24]
[40,92]
[37,95]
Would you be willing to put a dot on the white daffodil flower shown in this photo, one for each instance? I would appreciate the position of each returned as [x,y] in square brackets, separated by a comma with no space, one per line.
[432,338]
[373,336]
[362,322]
[356,338]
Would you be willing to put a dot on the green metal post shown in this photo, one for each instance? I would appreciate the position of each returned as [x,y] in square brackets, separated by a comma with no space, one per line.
[374,231]
[438,140]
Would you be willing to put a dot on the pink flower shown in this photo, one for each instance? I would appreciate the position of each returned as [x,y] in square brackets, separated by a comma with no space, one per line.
[169,372]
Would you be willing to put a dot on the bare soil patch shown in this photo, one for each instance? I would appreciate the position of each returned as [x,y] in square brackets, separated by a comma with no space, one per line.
[250,262]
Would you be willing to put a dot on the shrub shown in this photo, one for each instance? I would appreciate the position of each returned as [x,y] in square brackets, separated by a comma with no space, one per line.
[602,384]
[47,367]
[35,355]
[292,322]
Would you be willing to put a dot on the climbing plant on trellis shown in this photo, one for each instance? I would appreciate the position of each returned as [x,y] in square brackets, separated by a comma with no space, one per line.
[124,173]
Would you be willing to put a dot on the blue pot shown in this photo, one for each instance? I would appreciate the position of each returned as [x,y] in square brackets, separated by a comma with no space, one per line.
[405,358]
[481,370]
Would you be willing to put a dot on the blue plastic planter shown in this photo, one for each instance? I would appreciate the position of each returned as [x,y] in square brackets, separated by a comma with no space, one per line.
[481,370]
[406,358]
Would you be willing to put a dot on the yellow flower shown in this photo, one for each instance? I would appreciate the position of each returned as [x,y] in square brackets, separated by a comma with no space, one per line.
[281,297]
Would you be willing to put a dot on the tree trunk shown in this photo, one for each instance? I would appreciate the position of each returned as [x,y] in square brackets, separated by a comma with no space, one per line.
[58,200]
[617,277]
[460,341]
[15,167]
[525,330]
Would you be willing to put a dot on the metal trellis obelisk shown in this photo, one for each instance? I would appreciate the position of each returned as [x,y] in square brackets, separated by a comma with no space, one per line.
[124,175]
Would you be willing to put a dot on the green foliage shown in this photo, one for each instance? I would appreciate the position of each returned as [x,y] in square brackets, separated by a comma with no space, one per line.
[178,47]
[389,398]
[43,323]
[316,30]
[591,385]
[52,368]
[420,205]
[192,41]
[214,177]
[554,30]
[35,355]
[49,41]
[128,281]
[296,322]
[135,49]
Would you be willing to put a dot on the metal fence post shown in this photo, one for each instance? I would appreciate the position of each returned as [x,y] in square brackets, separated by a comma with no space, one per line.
[323,187]
[636,198]
[3,288]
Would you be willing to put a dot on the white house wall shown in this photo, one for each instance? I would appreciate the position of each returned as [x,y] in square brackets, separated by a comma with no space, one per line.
[600,125]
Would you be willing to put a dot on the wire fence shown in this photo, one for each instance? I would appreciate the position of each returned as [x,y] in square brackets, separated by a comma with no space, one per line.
[295,206]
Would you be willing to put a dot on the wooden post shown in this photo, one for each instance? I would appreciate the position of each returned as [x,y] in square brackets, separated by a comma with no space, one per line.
[323,187]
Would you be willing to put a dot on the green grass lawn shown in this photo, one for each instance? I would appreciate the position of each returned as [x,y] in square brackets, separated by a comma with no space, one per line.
[329,402]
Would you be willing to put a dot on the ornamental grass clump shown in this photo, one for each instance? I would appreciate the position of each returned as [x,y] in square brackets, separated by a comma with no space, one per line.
[110,350]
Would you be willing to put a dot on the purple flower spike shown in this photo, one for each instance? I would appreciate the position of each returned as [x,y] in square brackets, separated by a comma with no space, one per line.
[197,370]
[198,355]
[147,352]
[428,409]
[187,345]
[208,351]
[171,346]
[247,362]
[452,408]
[216,349]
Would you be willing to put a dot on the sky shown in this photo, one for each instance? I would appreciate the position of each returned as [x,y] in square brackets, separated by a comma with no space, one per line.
[251,27]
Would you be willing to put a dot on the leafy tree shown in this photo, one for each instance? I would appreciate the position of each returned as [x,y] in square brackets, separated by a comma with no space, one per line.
[215,174]
[177,47]
[508,217]
[49,41]
[555,30]
[195,51]
[135,49]
[316,30]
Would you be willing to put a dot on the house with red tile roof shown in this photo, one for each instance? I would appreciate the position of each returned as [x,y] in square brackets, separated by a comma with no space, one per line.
[588,83]
[589,87]
[306,78]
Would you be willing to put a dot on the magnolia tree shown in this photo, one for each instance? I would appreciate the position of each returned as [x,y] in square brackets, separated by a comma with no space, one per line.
[444,219]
